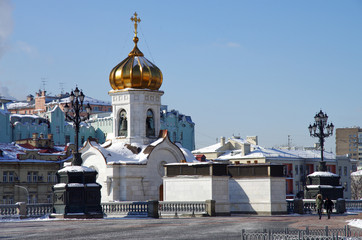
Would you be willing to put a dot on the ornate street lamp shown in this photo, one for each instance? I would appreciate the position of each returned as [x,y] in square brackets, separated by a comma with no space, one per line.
[317,130]
[73,113]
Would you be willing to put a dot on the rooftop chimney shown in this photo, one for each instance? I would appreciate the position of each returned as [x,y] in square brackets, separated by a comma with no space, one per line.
[245,148]
[222,141]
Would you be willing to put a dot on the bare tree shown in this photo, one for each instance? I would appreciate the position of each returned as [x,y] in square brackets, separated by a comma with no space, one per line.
[356,186]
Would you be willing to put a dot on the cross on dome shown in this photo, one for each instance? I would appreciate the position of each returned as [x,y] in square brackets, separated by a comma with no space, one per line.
[136,21]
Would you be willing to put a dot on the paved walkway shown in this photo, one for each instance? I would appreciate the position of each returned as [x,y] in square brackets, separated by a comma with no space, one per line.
[165,228]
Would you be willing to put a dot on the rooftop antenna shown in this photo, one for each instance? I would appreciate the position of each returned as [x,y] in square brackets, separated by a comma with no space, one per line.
[61,85]
[43,80]
[289,142]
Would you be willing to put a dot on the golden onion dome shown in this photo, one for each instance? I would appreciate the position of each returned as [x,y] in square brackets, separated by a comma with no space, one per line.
[135,71]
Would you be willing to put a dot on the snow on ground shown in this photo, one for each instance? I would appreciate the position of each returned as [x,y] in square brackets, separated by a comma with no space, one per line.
[355,223]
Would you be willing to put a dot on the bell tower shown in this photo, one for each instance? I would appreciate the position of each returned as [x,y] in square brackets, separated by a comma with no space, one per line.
[136,98]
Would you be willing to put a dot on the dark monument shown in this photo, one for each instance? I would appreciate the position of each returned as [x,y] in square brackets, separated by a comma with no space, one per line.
[323,182]
[77,195]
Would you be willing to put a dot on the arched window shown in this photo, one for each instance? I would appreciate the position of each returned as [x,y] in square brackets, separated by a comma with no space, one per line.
[174,136]
[122,129]
[150,124]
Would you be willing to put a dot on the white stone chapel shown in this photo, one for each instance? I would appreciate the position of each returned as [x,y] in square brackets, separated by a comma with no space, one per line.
[130,163]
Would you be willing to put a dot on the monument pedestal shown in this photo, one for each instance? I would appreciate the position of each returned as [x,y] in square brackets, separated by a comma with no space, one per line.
[77,195]
[323,182]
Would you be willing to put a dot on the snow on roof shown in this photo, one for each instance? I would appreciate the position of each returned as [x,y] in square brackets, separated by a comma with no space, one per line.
[323,174]
[91,101]
[24,116]
[17,105]
[212,148]
[10,152]
[117,152]
[158,141]
[76,169]
[261,152]
[189,157]
[358,173]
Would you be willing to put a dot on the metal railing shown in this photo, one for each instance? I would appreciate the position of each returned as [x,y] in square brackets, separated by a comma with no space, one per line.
[295,234]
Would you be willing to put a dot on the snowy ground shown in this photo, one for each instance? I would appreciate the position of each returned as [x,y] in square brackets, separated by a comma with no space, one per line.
[355,223]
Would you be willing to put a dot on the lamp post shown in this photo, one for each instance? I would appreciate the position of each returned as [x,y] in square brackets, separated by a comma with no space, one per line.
[317,130]
[73,113]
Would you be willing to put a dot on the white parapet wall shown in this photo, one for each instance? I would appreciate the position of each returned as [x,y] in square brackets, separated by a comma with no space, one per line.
[264,195]
[199,188]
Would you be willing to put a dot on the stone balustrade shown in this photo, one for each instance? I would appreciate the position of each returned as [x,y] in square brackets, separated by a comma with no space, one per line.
[125,208]
[185,208]
[307,206]
[9,210]
[39,209]
[155,209]
[354,205]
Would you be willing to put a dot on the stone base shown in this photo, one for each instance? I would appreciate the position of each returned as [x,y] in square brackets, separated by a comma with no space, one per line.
[76,216]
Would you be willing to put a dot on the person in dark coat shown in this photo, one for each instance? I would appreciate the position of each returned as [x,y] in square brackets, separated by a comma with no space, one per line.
[319,205]
[328,206]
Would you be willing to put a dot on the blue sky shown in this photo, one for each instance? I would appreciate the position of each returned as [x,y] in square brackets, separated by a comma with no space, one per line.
[237,67]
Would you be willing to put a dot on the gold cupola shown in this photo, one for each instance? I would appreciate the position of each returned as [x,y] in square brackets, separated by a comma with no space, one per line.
[135,71]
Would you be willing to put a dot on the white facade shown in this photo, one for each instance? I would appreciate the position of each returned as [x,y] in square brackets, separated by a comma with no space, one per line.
[257,195]
[136,103]
[199,188]
[244,194]
[127,176]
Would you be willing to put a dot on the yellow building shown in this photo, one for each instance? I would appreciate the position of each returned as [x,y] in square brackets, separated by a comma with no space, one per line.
[28,169]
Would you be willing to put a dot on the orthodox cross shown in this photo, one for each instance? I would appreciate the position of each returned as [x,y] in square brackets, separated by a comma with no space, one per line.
[136,21]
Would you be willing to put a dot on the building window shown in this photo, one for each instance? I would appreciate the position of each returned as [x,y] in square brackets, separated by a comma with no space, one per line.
[174,136]
[345,171]
[52,177]
[150,124]
[29,177]
[49,199]
[5,177]
[296,169]
[32,199]
[11,176]
[122,129]
[32,177]
[301,169]
[345,187]
[35,176]
[67,139]
[340,171]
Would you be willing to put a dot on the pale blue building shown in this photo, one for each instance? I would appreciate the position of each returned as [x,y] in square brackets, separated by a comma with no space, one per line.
[16,126]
